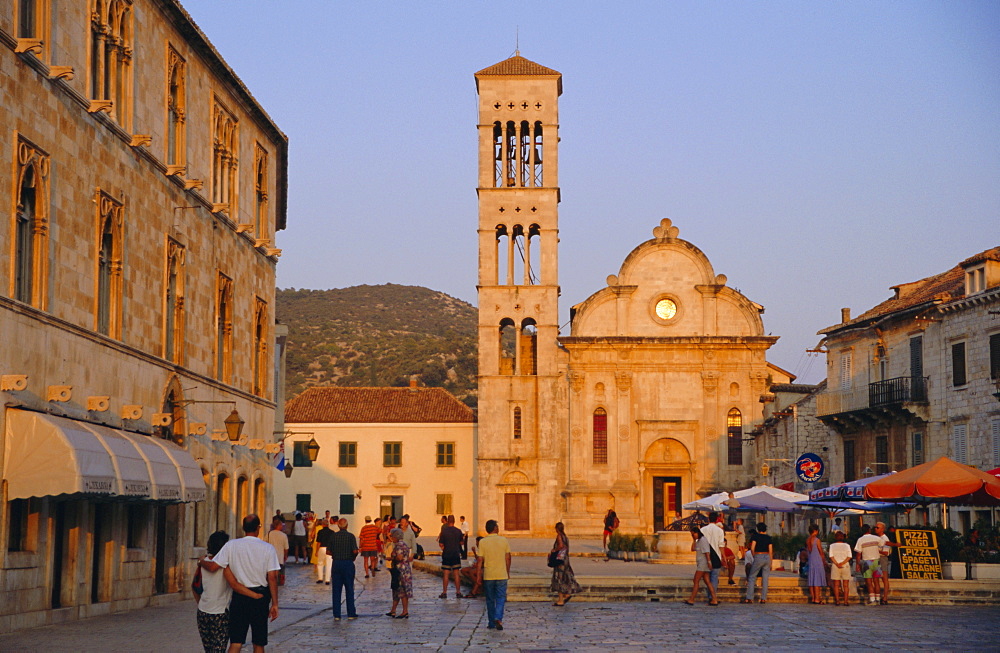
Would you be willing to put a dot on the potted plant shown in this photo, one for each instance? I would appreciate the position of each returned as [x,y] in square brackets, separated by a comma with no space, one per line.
[615,546]
[640,548]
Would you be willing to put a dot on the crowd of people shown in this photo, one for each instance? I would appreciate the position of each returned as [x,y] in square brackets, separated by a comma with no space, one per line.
[822,567]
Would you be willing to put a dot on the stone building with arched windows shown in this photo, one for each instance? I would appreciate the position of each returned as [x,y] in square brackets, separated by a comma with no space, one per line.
[642,406]
[136,304]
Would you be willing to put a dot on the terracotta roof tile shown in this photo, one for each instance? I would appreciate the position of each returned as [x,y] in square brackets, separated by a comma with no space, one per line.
[518,65]
[377,406]
[948,285]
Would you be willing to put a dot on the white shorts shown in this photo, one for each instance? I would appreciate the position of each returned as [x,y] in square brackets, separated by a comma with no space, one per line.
[840,573]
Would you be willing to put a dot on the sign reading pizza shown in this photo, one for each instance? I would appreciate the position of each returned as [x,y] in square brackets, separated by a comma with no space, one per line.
[809,468]
[918,554]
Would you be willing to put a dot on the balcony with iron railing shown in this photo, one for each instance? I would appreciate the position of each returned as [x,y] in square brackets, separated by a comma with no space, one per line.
[876,395]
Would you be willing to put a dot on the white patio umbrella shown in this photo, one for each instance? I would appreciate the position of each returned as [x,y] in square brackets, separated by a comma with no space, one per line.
[717,501]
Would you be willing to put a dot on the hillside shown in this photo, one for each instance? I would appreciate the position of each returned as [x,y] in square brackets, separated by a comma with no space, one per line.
[379,336]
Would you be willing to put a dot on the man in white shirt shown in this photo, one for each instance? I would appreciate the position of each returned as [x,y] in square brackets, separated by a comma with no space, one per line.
[276,537]
[250,563]
[867,554]
[464,527]
[716,539]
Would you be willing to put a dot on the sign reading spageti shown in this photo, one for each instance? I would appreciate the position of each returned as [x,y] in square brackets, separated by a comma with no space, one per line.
[918,554]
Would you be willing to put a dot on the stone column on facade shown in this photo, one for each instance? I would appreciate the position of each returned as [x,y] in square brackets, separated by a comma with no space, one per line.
[710,458]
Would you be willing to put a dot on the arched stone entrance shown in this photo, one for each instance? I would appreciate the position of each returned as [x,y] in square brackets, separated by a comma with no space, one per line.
[667,472]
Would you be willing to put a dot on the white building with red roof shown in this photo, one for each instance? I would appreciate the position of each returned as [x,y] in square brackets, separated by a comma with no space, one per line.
[383,451]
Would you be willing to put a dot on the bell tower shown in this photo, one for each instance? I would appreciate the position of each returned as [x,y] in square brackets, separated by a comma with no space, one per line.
[519,357]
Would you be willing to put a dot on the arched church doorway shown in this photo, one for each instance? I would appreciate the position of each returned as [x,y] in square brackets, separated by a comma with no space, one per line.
[666,471]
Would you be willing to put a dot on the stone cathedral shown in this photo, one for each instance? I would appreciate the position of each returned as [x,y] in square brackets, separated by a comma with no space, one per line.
[643,406]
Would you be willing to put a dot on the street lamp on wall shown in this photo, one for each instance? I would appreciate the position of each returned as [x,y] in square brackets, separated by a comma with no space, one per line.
[234,426]
[234,423]
[312,449]
[288,469]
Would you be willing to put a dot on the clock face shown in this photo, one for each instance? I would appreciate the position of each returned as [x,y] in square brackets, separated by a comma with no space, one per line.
[666,309]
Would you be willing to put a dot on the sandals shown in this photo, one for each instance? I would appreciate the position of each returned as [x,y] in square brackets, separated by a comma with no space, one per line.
[713,603]
[689,602]
[443,595]
[745,601]
[391,614]
[405,615]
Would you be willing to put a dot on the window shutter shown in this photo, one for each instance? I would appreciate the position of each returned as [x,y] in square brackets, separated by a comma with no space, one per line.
[995,356]
[958,432]
[845,370]
[958,364]
[995,428]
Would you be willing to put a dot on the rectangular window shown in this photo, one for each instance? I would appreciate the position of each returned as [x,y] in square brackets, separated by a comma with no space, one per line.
[846,369]
[17,525]
[225,156]
[346,504]
[917,368]
[347,454]
[600,437]
[958,364]
[303,502]
[995,432]
[261,217]
[392,454]
[995,356]
[445,454]
[173,303]
[918,448]
[31,232]
[849,473]
[224,329]
[176,101]
[138,517]
[959,443]
[517,422]
[110,226]
[300,455]
[260,349]
[734,436]
[444,504]
[32,25]
[881,454]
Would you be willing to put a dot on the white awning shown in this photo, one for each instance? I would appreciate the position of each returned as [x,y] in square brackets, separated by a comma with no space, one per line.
[163,471]
[45,455]
[133,474]
[191,477]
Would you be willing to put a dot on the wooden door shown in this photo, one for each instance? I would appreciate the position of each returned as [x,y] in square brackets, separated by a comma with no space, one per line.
[516,512]
[666,501]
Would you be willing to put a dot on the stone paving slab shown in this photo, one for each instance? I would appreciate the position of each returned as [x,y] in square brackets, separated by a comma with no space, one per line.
[445,625]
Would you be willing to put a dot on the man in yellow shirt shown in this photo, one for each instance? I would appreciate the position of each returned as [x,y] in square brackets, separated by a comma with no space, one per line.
[494,570]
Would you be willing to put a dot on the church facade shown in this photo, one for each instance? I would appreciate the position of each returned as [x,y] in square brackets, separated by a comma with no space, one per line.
[643,405]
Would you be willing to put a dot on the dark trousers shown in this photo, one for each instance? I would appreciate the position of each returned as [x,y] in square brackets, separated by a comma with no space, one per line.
[465,547]
[245,612]
[343,578]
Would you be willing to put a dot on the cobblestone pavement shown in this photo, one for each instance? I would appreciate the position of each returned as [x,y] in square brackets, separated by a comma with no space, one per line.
[446,625]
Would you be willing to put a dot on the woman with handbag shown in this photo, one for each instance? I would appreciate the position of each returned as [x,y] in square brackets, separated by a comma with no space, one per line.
[563,579]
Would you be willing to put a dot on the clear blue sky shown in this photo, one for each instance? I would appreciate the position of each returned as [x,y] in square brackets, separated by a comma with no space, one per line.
[817,152]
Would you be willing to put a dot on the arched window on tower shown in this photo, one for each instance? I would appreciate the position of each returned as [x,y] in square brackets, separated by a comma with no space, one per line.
[734,433]
[518,268]
[503,267]
[517,422]
[600,436]
[510,155]
[508,346]
[498,154]
[32,226]
[537,155]
[532,254]
[524,155]
[529,348]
